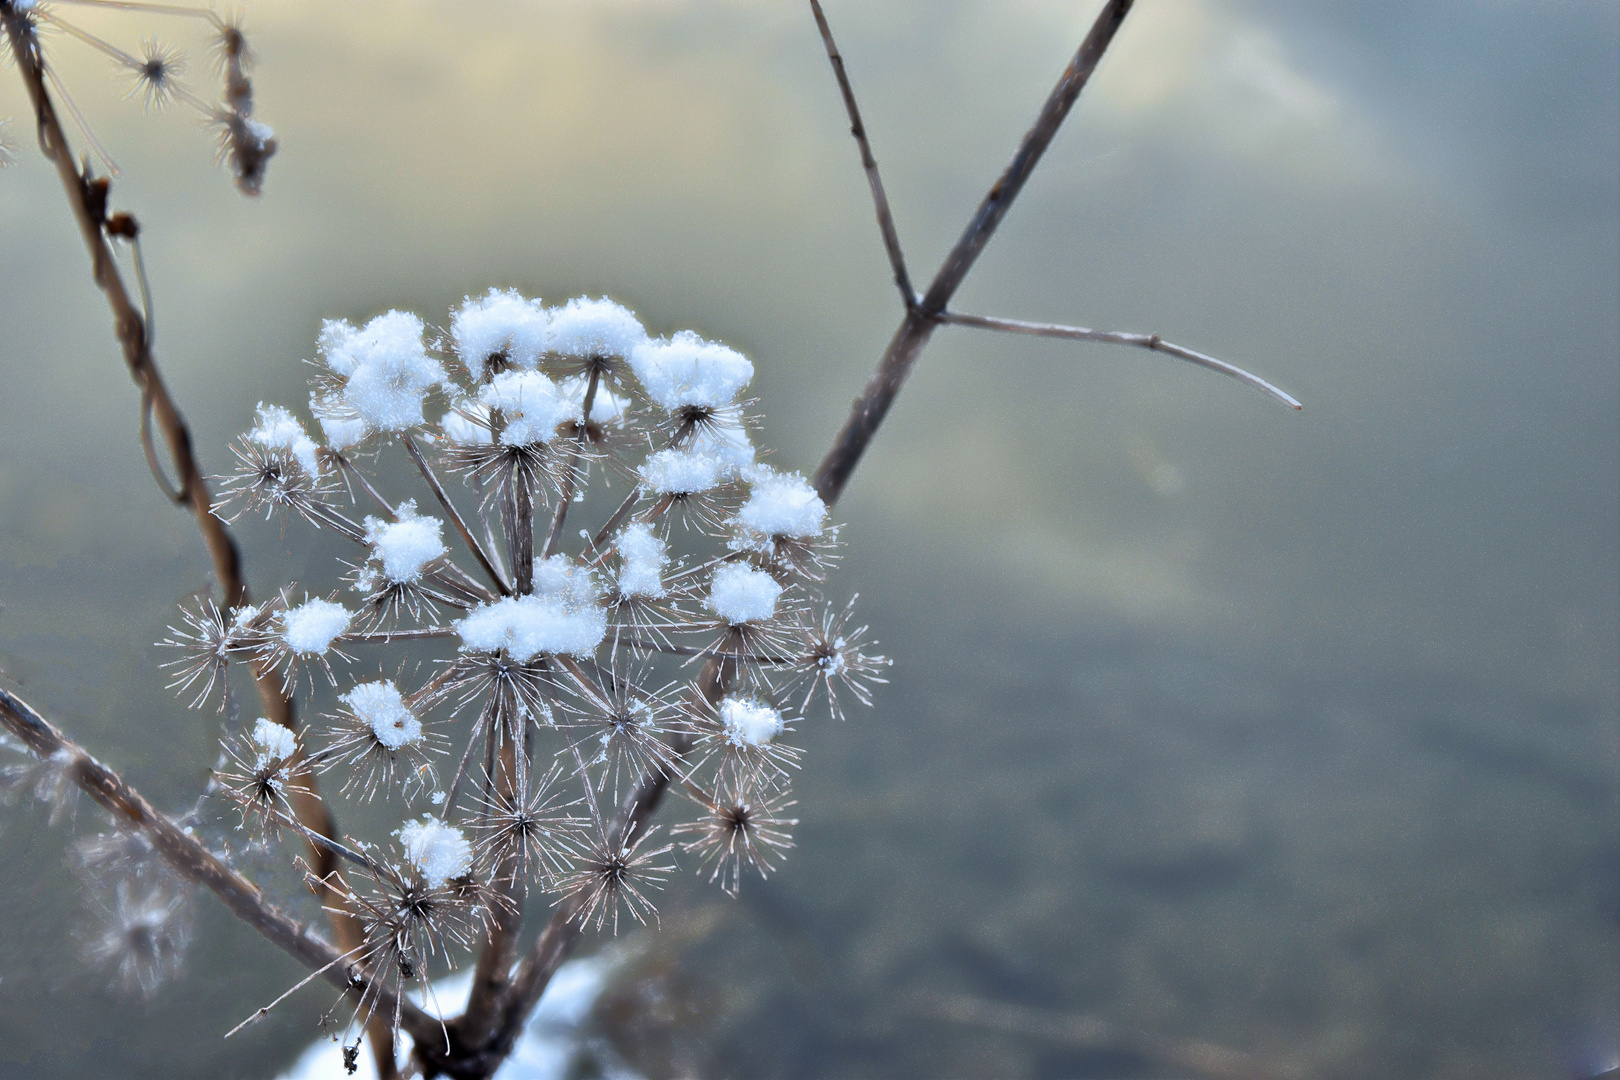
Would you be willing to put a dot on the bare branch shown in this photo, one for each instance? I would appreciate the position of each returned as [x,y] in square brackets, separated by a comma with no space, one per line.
[194,862]
[1152,342]
[918,326]
[880,201]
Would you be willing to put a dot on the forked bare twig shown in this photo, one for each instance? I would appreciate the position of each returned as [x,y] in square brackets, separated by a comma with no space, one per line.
[931,310]
[188,857]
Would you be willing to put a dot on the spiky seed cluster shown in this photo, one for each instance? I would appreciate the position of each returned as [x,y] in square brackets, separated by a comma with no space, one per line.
[676,639]
[154,71]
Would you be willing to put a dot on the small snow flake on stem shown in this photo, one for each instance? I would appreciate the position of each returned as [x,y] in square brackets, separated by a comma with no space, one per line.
[261,777]
[379,741]
[831,654]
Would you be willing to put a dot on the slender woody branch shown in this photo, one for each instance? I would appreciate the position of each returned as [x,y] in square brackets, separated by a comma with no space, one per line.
[880,201]
[88,198]
[190,859]
[920,320]
[1152,342]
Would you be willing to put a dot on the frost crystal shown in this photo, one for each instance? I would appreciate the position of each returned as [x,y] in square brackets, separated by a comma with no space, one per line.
[741,594]
[531,405]
[687,371]
[585,327]
[500,325]
[310,628]
[388,371]
[438,850]
[529,626]
[278,429]
[382,708]
[748,722]
[402,547]
[783,505]
[274,742]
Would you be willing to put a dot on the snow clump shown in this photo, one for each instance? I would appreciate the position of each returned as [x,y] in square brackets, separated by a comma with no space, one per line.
[783,505]
[310,628]
[401,549]
[687,372]
[741,594]
[275,742]
[438,850]
[748,722]
[386,370]
[381,707]
[278,429]
[500,324]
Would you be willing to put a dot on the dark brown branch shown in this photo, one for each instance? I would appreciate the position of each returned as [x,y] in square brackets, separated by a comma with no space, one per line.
[919,323]
[87,197]
[194,862]
[1152,342]
[880,201]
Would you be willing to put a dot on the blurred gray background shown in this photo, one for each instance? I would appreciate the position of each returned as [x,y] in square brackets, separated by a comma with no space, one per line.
[1291,734]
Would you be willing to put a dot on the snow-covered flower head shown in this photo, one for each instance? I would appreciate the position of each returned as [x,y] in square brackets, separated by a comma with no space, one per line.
[383,368]
[497,331]
[591,588]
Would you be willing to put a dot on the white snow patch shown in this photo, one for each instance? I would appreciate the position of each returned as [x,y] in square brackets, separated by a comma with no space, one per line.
[500,322]
[310,628]
[643,557]
[681,472]
[783,505]
[278,429]
[380,706]
[585,327]
[561,578]
[687,371]
[274,741]
[402,548]
[388,371]
[527,626]
[741,594]
[749,722]
[440,851]
[342,426]
[530,404]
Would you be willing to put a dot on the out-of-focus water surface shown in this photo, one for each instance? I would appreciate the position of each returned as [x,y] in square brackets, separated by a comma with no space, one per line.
[1292,735]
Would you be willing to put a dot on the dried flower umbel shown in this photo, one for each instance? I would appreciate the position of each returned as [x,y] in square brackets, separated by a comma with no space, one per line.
[680,636]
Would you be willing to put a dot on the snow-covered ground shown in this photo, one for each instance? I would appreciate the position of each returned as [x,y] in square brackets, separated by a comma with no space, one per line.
[548,1049]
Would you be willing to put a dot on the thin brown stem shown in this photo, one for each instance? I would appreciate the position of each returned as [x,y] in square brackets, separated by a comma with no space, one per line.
[87,198]
[880,201]
[460,523]
[191,860]
[919,322]
[1151,342]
